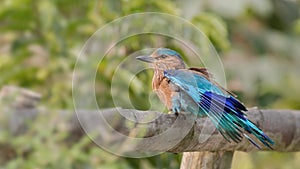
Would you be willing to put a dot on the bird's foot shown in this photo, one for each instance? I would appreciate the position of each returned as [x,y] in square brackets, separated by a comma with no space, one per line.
[171,112]
[176,111]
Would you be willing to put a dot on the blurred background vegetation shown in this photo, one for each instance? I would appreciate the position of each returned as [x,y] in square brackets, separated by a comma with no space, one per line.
[258,42]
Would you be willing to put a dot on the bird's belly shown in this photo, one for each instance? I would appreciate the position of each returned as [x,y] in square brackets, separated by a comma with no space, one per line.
[164,96]
[163,90]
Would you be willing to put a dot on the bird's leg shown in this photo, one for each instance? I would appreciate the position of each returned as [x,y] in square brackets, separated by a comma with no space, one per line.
[176,113]
[173,102]
[176,107]
[171,111]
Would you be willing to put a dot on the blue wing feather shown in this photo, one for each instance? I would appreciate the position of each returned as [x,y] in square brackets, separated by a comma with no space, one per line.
[225,111]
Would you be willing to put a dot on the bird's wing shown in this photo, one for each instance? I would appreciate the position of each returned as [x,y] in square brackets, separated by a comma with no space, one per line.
[204,72]
[225,111]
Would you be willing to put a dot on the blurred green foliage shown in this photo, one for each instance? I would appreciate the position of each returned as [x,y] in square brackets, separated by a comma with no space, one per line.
[39,42]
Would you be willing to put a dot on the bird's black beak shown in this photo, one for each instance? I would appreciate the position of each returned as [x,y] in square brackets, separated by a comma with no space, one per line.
[146,58]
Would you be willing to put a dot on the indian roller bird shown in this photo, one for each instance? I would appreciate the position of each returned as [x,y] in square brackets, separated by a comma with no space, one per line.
[192,90]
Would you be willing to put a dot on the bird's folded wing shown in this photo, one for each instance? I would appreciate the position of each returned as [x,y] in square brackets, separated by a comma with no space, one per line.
[204,72]
[223,109]
[193,82]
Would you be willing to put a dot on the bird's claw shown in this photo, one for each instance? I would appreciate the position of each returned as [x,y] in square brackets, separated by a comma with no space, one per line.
[171,112]
[175,110]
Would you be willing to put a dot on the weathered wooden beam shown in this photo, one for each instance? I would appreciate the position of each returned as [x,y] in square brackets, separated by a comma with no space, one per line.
[202,145]
[161,132]
[281,125]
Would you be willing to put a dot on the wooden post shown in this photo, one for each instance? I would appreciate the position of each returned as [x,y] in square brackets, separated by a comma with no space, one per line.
[207,160]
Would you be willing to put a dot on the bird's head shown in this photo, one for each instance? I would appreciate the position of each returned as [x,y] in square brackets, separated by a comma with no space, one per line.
[163,58]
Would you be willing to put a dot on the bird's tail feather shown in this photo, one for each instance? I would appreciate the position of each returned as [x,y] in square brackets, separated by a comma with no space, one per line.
[226,114]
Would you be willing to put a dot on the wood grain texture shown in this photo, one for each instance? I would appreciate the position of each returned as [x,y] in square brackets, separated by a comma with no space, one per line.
[206,160]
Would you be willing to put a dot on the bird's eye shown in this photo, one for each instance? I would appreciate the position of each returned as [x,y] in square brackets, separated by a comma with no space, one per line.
[163,56]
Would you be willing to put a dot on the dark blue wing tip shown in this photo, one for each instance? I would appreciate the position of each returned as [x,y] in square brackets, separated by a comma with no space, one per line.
[268,139]
[237,103]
